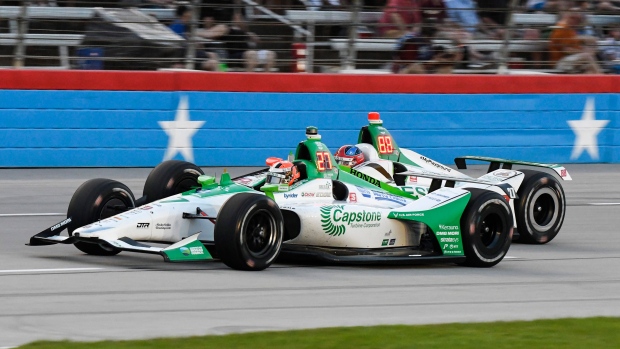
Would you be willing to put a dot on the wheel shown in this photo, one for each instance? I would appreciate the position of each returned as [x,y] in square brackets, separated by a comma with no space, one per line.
[540,208]
[248,232]
[95,200]
[169,178]
[487,228]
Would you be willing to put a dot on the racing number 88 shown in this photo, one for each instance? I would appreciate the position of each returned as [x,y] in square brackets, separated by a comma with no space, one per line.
[323,161]
[385,144]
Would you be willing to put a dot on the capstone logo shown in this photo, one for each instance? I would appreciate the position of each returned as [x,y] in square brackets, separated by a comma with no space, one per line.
[290,196]
[61,224]
[142,225]
[436,164]
[448,227]
[334,219]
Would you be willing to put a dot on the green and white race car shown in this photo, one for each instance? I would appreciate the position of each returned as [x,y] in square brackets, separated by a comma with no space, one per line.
[315,210]
[539,205]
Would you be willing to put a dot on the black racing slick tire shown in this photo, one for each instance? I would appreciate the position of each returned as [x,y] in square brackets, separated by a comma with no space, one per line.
[95,200]
[248,232]
[487,228]
[540,208]
[169,178]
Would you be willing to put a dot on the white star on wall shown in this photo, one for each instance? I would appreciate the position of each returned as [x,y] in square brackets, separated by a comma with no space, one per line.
[180,132]
[586,131]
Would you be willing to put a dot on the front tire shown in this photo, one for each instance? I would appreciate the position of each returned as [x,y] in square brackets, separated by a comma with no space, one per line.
[540,208]
[169,178]
[248,232]
[95,200]
[487,228]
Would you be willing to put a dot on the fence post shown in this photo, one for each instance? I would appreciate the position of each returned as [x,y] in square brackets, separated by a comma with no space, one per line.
[18,57]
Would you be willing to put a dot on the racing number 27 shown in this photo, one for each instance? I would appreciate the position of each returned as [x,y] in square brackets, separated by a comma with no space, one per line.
[323,161]
[385,144]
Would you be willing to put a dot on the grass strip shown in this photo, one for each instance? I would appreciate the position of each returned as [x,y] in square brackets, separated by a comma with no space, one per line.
[598,332]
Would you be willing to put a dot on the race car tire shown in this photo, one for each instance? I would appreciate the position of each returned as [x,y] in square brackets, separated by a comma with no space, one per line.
[248,232]
[94,200]
[487,227]
[540,208]
[169,178]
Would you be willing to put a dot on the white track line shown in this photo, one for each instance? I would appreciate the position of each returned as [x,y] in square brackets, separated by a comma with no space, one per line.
[604,203]
[30,215]
[47,270]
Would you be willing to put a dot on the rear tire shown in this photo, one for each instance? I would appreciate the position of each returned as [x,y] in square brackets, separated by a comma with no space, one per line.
[169,178]
[95,200]
[487,228]
[248,232]
[540,208]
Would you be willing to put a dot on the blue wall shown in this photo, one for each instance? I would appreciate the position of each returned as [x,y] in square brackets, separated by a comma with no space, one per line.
[117,128]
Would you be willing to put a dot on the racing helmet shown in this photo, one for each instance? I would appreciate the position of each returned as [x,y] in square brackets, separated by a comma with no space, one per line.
[282,172]
[349,155]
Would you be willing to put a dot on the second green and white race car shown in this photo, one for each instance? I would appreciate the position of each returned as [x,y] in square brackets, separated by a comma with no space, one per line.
[540,203]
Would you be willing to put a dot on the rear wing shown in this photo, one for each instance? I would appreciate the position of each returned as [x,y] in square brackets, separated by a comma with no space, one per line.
[497,163]
[437,178]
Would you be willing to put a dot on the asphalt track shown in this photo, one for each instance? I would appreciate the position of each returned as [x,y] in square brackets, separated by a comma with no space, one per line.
[56,292]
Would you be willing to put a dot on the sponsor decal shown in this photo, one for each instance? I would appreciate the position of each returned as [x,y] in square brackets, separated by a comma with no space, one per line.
[563,173]
[449,227]
[196,250]
[244,180]
[384,242]
[413,179]
[392,242]
[408,214]
[380,196]
[436,164]
[505,174]
[307,195]
[388,233]
[352,197]
[449,240]
[142,225]
[61,224]
[335,219]
[163,226]
[326,186]
[366,178]
[415,191]
[281,187]
[444,233]
[185,251]
[323,195]
[146,208]
[365,192]
[290,196]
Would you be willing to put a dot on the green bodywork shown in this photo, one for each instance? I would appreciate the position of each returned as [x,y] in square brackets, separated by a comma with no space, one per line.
[192,251]
[444,221]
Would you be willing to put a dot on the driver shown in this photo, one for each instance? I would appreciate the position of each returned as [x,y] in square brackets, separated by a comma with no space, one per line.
[349,156]
[282,172]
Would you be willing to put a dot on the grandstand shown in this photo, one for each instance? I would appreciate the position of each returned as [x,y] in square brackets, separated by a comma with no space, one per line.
[299,35]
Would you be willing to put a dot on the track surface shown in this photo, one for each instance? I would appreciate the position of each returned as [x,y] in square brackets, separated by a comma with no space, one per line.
[56,292]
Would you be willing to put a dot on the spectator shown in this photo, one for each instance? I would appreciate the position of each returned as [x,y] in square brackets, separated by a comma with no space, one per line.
[610,49]
[400,17]
[238,41]
[571,52]
[241,43]
[416,54]
[553,6]
[493,15]
[208,60]
[463,12]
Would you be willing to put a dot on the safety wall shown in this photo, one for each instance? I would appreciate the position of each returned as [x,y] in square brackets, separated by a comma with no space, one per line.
[138,119]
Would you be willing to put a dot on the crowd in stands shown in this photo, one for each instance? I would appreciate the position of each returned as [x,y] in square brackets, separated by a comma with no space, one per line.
[418,26]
